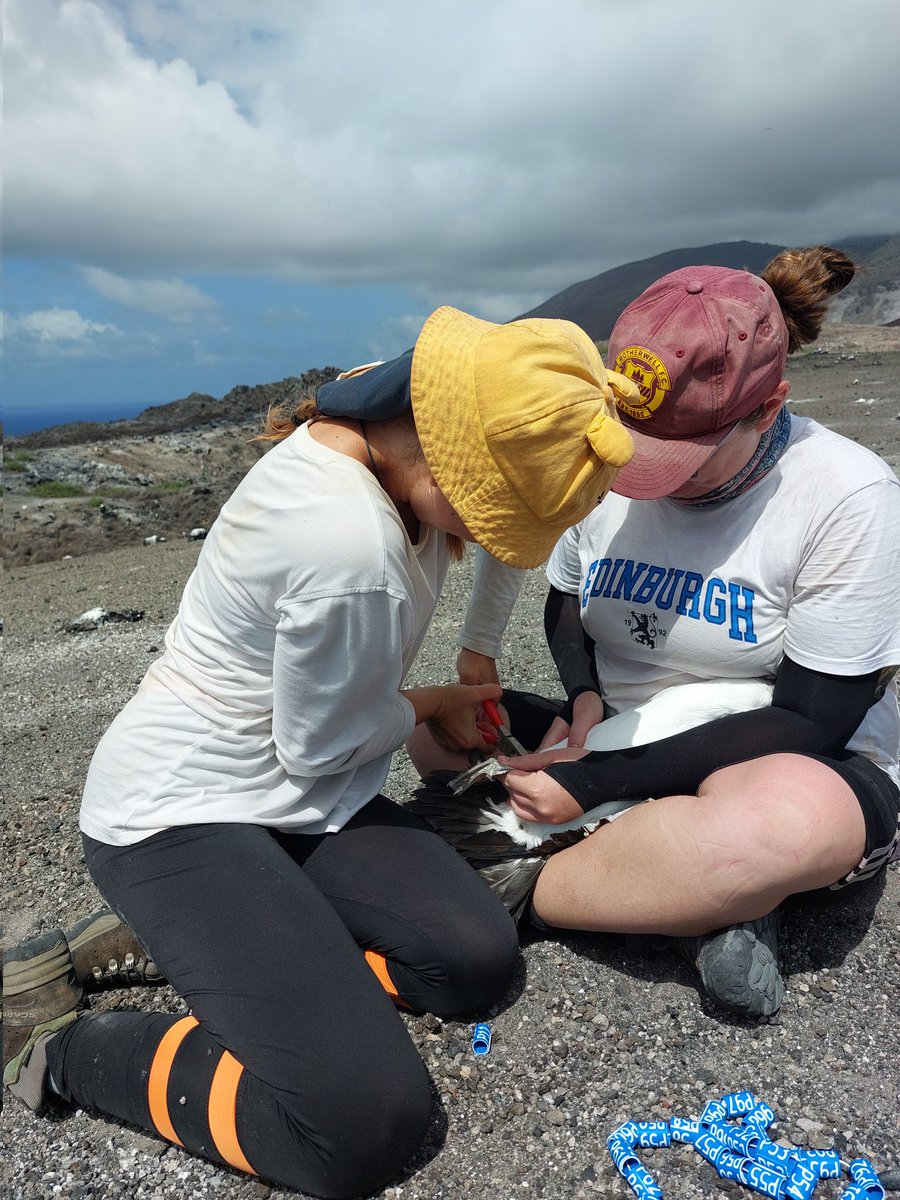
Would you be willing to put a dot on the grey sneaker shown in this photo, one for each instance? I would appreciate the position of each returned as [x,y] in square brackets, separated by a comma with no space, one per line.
[739,965]
[40,997]
[107,954]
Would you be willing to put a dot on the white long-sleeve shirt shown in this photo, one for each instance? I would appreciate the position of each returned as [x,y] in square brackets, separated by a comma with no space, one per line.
[495,589]
[277,700]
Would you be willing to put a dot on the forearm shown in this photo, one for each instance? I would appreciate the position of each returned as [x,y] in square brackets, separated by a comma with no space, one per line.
[571,648]
[451,712]
[427,702]
[678,765]
[811,713]
[495,589]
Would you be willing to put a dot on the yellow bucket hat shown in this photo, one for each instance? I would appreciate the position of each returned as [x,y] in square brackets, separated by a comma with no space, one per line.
[518,425]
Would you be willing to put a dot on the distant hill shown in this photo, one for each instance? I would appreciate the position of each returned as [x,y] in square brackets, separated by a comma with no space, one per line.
[874,296]
[595,304]
[196,411]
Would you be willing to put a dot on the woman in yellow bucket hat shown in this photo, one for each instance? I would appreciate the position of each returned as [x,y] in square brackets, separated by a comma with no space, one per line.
[232,815]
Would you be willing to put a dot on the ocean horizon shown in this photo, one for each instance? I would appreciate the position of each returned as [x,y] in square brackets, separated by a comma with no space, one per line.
[18,422]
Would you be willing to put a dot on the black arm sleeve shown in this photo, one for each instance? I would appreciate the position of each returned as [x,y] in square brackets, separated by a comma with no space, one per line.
[810,712]
[570,646]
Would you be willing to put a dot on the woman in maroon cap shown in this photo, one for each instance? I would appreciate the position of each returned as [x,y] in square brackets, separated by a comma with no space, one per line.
[740,543]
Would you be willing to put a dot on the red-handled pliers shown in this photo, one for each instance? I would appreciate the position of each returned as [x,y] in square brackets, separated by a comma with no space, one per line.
[488,768]
[506,743]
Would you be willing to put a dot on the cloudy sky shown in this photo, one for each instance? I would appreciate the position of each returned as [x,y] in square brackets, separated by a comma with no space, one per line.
[200,195]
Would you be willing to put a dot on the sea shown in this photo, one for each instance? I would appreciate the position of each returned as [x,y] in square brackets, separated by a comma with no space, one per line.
[17,422]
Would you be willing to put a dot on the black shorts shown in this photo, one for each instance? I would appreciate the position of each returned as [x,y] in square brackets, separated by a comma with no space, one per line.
[879,800]
[530,716]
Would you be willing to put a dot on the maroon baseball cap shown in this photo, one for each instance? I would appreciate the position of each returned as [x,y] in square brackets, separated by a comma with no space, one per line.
[705,346]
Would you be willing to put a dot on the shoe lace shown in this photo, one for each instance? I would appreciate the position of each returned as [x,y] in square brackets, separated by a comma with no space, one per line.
[130,972]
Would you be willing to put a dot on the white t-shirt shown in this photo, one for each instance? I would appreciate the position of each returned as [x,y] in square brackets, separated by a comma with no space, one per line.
[277,700]
[806,563]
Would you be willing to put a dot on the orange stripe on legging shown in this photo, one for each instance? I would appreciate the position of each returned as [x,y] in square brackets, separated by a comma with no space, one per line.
[223,1112]
[378,963]
[160,1069]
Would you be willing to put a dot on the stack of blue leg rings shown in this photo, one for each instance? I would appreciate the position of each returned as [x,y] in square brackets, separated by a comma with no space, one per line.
[740,1150]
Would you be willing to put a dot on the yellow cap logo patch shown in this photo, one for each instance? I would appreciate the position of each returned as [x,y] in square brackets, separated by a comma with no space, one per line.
[643,368]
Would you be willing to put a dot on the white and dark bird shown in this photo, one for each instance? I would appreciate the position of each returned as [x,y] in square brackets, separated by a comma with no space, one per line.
[509,852]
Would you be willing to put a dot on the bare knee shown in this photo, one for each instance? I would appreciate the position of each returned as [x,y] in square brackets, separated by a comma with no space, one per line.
[789,822]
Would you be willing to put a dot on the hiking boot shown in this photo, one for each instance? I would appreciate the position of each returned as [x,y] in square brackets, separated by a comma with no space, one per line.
[107,954]
[739,965]
[40,997]
[27,1076]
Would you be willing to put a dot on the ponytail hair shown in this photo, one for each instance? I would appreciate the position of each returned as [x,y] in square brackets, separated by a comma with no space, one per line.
[296,404]
[804,282]
[283,418]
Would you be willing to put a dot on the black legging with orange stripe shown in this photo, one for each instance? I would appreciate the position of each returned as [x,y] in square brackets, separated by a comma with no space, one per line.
[294,1064]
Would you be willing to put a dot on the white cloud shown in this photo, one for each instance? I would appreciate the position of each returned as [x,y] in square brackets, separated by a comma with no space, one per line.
[57,325]
[173,298]
[497,151]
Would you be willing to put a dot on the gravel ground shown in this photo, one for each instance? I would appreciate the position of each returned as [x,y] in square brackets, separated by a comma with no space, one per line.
[595,1030]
